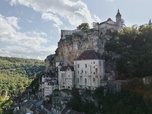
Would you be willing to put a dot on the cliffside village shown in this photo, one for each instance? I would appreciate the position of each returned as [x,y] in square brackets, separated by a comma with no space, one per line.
[78,62]
[86,70]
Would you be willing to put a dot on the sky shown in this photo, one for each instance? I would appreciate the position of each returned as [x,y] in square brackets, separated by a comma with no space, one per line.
[31,28]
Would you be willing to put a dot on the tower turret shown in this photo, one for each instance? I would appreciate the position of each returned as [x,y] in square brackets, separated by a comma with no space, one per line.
[118,19]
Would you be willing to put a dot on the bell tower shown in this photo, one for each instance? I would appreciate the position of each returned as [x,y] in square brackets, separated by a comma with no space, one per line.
[118,19]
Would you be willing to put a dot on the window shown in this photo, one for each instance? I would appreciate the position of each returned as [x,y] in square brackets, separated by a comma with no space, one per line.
[78,72]
[81,71]
[78,80]
[94,73]
[78,65]
[93,79]
[85,80]
[96,69]
[85,72]
[94,62]
[85,65]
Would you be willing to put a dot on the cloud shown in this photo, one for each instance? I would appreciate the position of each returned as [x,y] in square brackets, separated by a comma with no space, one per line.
[52,17]
[74,12]
[13,22]
[26,52]
[31,44]
[96,18]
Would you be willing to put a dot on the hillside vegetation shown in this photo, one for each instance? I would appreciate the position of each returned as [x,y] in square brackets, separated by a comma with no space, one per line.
[15,75]
[134,48]
[130,50]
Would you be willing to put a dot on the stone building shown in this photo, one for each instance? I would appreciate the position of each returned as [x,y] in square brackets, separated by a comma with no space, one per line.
[65,77]
[110,24]
[47,85]
[89,70]
[80,54]
[74,42]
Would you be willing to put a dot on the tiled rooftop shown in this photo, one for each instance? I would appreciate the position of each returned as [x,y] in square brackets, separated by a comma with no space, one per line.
[89,54]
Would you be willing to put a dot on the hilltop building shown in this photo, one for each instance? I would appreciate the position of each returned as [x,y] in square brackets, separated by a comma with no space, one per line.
[102,27]
[89,70]
[78,60]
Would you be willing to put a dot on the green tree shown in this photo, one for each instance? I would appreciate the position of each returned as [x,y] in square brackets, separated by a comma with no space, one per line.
[83,27]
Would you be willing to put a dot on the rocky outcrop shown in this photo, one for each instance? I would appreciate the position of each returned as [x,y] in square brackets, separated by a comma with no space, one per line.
[73,45]
[74,42]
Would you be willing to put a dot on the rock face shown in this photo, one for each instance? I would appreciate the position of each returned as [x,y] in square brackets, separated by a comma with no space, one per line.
[74,42]
[73,45]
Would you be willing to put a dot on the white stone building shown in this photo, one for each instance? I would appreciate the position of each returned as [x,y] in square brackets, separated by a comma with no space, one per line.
[89,70]
[47,85]
[65,77]
[102,27]
[110,24]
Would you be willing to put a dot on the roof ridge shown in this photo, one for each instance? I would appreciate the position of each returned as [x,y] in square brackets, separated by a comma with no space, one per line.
[89,54]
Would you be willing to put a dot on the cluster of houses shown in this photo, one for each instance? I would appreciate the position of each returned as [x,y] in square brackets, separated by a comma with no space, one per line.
[88,70]
[88,73]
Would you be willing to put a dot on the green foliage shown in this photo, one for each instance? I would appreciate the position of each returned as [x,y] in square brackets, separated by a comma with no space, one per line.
[16,74]
[75,101]
[135,47]
[24,67]
[83,27]
[82,102]
[4,103]
[135,98]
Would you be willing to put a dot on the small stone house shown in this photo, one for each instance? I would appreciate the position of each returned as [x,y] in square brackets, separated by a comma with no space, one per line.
[65,77]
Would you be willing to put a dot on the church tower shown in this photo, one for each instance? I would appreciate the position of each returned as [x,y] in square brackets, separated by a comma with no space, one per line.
[118,19]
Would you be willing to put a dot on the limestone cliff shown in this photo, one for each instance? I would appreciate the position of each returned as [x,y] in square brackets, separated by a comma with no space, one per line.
[74,42]
[73,45]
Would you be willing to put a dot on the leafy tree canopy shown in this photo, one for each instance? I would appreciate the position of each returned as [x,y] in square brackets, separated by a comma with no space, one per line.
[134,46]
[83,27]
